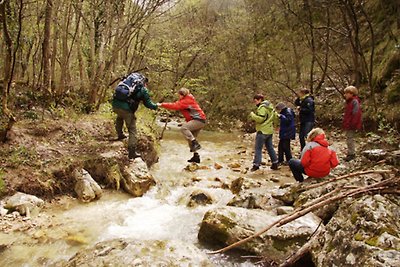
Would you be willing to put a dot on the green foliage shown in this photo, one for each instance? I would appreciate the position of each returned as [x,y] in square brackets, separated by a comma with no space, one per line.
[22,155]
[224,51]
[393,88]
[57,112]
[31,114]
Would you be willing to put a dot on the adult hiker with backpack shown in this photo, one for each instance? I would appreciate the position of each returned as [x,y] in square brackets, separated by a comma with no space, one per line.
[194,116]
[265,118]
[127,97]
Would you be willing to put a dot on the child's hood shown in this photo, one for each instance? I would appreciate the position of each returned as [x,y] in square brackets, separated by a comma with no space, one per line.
[320,139]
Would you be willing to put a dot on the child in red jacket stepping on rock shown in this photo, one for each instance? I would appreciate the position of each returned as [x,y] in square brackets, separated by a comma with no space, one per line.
[194,116]
[351,119]
[317,158]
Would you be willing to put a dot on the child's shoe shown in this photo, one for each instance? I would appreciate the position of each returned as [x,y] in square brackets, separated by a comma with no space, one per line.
[349,157]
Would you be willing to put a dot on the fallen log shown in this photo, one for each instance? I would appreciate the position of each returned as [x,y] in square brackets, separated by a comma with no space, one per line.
[299,213]
[344,177]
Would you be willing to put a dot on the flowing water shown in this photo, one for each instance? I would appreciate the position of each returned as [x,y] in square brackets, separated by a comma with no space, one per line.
[162,214]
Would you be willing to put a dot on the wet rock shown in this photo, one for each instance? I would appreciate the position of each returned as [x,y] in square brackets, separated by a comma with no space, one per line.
[217,166]
[287,194]
[76,240]
[275,179]
[247,201]
[255,200]
[3,211]
[192,167]
[23,203]
[114,177]
[138,179]
[86,187]
[325,212]
[120,252]
[284,210]
[236,185]
[364,232]
[234,165]
[199,198]
[227,225]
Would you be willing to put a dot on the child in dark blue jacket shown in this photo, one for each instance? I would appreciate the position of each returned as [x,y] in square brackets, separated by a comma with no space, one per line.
[287,131]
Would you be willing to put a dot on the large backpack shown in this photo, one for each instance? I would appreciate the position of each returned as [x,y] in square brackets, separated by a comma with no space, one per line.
[129,86]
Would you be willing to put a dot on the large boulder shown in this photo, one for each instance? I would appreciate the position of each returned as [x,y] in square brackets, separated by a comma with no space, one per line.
[121,252]
[137,179]
[365,232]
[23,203]
[86,187]
[227,225]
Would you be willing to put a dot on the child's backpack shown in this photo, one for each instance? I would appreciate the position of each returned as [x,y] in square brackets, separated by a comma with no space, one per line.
[129,86]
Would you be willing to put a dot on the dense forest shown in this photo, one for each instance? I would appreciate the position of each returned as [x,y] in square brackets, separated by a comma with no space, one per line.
[61,55]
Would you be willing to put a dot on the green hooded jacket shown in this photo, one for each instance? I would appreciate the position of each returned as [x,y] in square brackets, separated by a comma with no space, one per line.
[141,95]
[265,117]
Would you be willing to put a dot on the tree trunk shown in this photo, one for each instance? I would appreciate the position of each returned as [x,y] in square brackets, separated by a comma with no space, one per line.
[65,78]
[53,57]
[7,60]
[46,47]
[311,44]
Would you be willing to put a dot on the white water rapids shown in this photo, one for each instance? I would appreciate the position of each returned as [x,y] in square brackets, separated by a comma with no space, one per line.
[161,214]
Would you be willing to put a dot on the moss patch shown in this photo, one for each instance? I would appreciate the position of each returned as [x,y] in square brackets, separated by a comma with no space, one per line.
[373,241]
[288,244]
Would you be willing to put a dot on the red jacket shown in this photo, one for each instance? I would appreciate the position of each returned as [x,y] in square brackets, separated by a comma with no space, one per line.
[189,108]
[317,158]
[352,114]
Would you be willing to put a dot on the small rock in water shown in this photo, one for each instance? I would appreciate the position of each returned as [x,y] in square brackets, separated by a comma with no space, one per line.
[217,166]
[275,179]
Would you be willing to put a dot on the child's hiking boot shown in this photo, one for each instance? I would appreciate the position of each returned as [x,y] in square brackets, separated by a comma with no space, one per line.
[195,146]
[274,166]
[254,168]
[349,157]
[133,155]
[195,158]
[121,137]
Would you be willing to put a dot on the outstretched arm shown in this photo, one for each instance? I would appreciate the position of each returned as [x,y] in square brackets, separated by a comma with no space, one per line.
[147,101]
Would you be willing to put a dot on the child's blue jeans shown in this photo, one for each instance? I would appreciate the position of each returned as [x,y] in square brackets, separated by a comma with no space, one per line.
[297,169]
[262,139]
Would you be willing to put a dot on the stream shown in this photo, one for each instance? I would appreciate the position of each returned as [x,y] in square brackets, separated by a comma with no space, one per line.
[68,225]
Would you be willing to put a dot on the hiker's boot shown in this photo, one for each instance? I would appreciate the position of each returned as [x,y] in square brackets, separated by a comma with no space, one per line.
[195,146]
[133,154]
[195,158]
[349,157]
[121,137]
[274,166]
[254,168]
